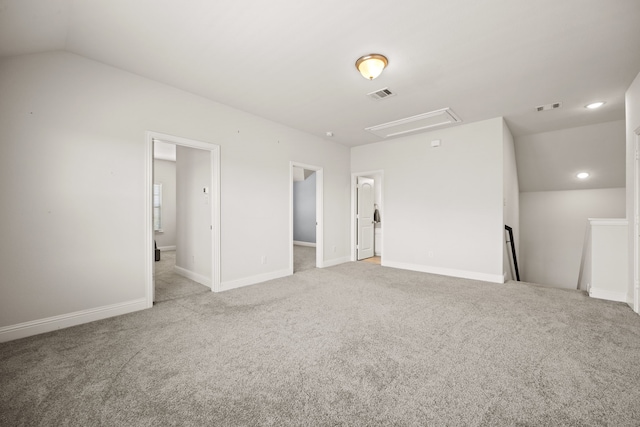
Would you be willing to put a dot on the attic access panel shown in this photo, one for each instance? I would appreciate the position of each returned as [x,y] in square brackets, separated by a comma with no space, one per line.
[417,123]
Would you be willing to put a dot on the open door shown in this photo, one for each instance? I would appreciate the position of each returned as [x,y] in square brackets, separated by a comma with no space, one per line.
[365,221]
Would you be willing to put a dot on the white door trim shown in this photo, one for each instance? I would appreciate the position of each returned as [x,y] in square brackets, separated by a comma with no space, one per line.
[319,213]
[215,211]
[354,210]
[635,281]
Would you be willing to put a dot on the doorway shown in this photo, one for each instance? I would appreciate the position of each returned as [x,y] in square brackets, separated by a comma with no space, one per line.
[306,225]
[208,194]
[366,216]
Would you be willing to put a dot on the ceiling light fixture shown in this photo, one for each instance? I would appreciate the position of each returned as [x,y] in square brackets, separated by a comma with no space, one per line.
[594,105]
[583,175]
[370,66]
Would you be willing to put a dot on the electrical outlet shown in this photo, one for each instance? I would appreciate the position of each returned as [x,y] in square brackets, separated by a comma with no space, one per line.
[430,254]
[335,249]
[264,259]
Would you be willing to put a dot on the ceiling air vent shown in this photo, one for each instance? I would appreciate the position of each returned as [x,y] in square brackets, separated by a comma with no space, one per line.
[381,94]
[549,106]
[417,123]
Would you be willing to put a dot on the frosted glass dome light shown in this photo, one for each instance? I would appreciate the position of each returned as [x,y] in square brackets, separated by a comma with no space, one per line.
[371,66]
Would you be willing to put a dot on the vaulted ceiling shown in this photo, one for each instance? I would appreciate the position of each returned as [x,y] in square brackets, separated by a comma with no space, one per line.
[292,61]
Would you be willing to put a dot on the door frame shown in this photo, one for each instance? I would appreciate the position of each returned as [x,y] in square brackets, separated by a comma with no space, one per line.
[354,210]
[214,150]
[319,212]
[635,281]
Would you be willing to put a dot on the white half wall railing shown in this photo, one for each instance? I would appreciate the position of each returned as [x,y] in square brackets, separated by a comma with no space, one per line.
[603,268]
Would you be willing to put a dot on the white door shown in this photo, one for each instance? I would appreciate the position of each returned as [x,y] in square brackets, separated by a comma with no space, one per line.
[365,217]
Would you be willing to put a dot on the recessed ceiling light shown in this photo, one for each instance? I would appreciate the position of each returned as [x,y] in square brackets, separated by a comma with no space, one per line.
[583,175]
[594,105]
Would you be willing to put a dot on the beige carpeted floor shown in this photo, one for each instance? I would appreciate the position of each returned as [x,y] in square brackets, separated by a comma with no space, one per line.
[353,345]
[170,285]
[304,258]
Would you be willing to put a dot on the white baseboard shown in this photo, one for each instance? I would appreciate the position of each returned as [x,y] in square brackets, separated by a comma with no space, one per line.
[167,248]
[335,261]
[252,280]
[494,278]
[608,295]
[301,243]
[40,326]
[206,281]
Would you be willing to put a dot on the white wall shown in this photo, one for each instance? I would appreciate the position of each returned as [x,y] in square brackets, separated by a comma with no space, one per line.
[632,115]
[72,178]
[442,206]
[304,210]
[511,202]
[193,215]
[552,231]
[585,275]
[164,172]
[569,151]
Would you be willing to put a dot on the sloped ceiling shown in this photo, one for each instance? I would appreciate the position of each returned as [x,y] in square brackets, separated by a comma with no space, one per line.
[292,61]
[550,161]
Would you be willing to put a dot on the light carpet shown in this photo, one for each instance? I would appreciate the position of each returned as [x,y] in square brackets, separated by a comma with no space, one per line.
[169,284]
[356,344]
[304,258]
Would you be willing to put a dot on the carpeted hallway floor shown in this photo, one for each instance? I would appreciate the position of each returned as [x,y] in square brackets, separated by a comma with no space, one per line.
[304,258]
[356,344]
[169,284]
